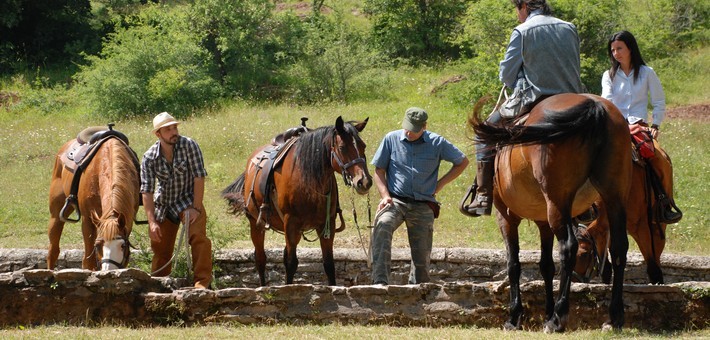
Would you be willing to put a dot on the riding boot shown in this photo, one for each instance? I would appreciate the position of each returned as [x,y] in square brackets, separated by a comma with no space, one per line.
[482,204]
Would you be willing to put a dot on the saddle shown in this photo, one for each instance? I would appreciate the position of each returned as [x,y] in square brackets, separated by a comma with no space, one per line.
[270,159]
[78,156]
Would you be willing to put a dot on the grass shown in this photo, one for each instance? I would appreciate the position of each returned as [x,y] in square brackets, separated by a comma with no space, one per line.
[59,332]
[227,136]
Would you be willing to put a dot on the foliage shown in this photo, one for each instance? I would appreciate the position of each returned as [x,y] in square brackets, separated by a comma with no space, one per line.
[416,30]
[333,62]
[154,65]
[239,35]
[41,32]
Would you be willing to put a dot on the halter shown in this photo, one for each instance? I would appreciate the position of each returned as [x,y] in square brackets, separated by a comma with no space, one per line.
[597,266]
[126,253]
[347,178]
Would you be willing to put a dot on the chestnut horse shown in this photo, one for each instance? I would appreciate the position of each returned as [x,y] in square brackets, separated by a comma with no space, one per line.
[648,233]
[304,191]
[572,150]
[108,194]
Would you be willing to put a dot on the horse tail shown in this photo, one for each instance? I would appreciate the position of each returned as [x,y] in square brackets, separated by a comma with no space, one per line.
[234,194]
[586,120]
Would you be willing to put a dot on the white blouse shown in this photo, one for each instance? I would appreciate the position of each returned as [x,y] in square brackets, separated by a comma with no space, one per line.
[632,97]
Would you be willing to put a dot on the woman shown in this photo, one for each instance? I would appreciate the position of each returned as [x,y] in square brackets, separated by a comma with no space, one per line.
[629,84]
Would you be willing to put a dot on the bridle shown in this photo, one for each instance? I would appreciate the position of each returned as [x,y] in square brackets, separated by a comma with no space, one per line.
[126,253]
[347,178]
[597,267]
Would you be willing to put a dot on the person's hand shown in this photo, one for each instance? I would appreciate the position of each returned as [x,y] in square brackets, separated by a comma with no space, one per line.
[654,131]
[155,233]
[636,128]
[384,202]
[193,214]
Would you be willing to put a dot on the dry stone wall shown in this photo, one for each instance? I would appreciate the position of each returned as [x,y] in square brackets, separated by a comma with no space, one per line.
[469,289]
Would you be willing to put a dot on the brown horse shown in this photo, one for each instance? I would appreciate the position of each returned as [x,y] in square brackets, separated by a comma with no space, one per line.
[108,191]
[571,150]
[304,194]
[648,233]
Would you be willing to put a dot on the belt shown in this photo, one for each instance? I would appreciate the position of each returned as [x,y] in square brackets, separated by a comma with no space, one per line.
[407,199]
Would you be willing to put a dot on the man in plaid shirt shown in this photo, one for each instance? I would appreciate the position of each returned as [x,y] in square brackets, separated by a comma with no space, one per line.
[174,163]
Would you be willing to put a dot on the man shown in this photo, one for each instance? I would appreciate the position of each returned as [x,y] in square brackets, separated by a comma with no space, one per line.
[542,60]
[174,163]
[406,175]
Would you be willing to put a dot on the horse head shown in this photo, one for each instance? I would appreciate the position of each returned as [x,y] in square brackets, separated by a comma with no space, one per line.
[113,242]
[348,155]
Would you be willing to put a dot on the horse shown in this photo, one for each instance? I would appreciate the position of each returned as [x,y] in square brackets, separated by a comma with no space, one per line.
[108,190]
[303,190]
[647,231]
[571,150]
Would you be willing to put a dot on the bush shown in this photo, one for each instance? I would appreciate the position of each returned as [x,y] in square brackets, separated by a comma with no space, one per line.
[153,66]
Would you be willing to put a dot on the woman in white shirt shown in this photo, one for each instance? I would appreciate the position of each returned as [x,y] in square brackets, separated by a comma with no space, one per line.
[629,84]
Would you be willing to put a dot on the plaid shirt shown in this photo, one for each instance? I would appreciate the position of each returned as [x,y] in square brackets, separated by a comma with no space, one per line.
[175,190]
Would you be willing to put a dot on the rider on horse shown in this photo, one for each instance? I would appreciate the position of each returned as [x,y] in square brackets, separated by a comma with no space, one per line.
[542,59]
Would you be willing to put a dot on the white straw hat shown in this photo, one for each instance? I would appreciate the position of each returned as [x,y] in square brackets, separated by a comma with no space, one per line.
[163,119]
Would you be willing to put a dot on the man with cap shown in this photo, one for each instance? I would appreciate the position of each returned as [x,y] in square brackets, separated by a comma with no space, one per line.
[175,166]
[407,178]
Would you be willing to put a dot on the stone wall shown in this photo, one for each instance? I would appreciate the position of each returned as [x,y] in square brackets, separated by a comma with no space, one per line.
[131,297]
[235,268]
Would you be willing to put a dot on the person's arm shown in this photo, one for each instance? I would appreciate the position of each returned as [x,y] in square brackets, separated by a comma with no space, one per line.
[454,172]
[512,61]
[197,207]
[153,226]
[606,86]
[381,184]
[657,98]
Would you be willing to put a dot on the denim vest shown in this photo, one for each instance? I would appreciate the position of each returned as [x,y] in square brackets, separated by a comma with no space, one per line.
[550,50]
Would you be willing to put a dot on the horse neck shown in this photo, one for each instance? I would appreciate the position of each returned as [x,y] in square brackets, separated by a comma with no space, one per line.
[313,162]
[120,190]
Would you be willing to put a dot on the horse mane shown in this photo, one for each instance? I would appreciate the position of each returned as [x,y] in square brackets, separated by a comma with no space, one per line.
[124,185]
[313,152]
[313,160]
[586,120]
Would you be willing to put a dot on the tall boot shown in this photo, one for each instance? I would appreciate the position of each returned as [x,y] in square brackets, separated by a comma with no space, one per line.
[482,204]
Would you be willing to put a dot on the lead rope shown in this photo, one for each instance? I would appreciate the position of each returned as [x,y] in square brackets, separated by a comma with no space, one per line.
[370,226]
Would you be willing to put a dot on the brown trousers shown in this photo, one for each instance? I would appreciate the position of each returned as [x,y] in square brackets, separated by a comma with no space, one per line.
[200,245]
[661,163]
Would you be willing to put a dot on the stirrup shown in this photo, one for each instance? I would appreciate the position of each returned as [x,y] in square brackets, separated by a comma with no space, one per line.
[263,210]
[468,199]
[668,212]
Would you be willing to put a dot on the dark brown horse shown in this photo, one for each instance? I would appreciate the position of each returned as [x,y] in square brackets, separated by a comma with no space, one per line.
[572,150]
[108,196]
[647,231]
[304,191]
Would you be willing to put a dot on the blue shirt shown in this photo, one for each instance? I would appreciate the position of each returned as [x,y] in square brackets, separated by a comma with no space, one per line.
[632,96]
[175,181]
[413,167]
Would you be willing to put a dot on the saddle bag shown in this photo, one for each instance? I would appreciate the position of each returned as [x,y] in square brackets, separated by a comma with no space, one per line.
[644,144]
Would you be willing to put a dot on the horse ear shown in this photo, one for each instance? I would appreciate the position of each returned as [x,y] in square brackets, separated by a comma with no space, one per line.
[340,125]
[361,126]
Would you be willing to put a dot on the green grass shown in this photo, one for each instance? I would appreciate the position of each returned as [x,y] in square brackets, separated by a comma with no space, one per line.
[322,332]
[227,135]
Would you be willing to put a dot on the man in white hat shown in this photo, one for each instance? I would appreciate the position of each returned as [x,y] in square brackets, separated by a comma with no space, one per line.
[407,178]
[174,164]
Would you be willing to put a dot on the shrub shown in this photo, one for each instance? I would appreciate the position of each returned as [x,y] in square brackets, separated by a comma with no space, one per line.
[152,66]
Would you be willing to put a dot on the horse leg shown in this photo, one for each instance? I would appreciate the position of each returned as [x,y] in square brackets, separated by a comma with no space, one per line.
[509,229]
[88,229]
[293,237]
[55,226]
[618,249]
[547,265]
[326,247]
[257,238]
[561,223]
[651,245]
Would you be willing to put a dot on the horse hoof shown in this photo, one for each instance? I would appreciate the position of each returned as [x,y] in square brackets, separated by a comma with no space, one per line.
[510,327]
[552,327]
